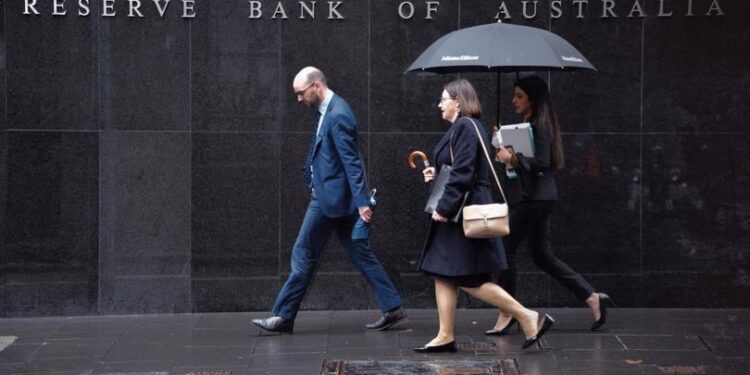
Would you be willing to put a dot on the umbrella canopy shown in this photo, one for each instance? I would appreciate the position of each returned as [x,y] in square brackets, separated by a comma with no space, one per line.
[500,47]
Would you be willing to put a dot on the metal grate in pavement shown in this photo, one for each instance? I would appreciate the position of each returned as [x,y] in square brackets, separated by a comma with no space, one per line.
[422,367]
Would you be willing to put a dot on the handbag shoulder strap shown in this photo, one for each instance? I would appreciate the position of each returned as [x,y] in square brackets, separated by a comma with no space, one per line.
[450,146]
[487,154]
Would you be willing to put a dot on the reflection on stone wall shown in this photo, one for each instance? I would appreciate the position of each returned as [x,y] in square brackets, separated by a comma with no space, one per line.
[152,164]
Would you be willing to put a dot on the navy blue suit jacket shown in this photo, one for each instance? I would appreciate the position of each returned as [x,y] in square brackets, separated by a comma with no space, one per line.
[338,173]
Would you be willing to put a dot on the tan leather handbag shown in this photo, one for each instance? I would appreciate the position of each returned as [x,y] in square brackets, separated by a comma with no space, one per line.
[486,220]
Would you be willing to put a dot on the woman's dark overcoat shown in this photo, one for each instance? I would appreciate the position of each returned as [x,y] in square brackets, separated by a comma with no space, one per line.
[447,251]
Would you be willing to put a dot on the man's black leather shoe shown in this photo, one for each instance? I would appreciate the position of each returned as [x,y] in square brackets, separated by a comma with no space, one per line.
[275,324]
[388,320]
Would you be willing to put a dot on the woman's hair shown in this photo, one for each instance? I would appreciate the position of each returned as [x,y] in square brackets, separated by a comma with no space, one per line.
[468,101]
[543,114]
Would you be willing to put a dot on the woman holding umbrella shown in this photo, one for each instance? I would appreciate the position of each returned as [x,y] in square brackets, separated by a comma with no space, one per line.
[530,210]
[451,259]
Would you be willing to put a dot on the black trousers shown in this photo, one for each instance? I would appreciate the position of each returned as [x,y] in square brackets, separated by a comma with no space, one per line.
[530,220]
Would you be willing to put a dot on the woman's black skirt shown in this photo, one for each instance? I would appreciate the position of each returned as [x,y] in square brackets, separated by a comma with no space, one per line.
[465,281]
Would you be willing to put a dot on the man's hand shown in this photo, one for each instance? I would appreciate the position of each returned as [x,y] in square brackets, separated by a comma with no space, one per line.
[365,213]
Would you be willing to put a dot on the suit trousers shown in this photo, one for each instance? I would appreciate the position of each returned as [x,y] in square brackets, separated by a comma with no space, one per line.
[530,219]
[313,234]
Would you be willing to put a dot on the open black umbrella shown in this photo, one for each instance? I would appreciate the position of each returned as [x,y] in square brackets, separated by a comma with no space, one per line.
[499,47]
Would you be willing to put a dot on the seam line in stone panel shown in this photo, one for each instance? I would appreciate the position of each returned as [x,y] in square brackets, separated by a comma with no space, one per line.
[11,283]
[99,293]
[640,182]
[190,163]
[273,132]
[538,273]
[369,91]
[459,15]
[5,72]
[458,27]
[276,132]
[100,131]
[235,132]
[409,133]
[228,278]
[145,277]
[330,273]
[279,128]
[672,272]
[549,73]
[53,130]
[657,133]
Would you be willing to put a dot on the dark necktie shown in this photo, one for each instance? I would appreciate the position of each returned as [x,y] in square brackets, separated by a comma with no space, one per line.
[309,159]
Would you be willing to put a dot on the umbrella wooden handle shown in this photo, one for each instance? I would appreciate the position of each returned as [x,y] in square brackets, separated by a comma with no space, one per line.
[418,154]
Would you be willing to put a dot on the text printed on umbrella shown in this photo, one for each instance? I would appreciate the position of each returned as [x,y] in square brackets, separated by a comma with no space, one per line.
[460,58]
[571,58]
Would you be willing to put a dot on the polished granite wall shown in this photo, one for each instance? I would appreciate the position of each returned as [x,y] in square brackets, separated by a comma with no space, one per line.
[153,164]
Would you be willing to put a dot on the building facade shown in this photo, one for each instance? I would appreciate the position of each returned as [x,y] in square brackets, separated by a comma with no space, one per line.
[151,152]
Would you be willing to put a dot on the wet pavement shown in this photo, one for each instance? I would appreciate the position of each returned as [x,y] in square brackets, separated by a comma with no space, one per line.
[634,341]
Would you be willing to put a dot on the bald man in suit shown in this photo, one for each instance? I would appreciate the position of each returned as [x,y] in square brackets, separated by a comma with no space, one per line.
[335,175]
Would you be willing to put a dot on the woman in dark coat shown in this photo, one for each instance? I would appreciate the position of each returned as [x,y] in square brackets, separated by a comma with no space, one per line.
[532,195]
[451,259]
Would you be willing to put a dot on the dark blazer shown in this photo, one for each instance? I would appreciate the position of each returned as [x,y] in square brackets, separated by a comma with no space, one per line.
[447,251]
[338,174]
[536,177]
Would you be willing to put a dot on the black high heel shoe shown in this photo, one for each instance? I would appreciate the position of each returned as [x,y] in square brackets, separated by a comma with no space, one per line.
[544,325]
[449,347]
[604,303]
[503,331]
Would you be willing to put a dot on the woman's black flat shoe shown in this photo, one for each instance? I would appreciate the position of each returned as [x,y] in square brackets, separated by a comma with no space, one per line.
[445,348]
[604,303]
[504,331]
[545,323]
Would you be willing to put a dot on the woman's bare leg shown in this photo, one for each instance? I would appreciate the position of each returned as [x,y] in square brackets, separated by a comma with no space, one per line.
[445,296]
[498,297]
[593,303]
